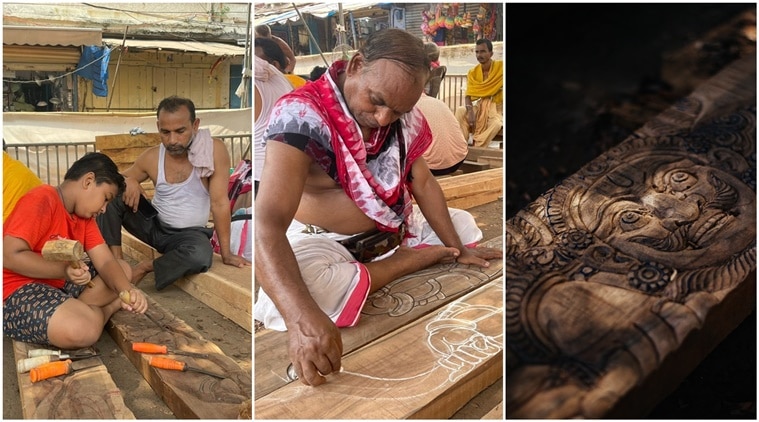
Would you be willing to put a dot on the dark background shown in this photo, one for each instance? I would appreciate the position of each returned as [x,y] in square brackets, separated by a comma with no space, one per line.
[579,79]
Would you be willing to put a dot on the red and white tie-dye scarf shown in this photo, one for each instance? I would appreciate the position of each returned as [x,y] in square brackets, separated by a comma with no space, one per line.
[380,188]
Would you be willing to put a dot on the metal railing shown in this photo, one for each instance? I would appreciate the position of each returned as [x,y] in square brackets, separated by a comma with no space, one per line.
[452,90]
[50,161]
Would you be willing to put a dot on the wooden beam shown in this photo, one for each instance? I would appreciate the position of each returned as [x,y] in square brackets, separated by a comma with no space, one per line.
[400,302]
[225,289]
[84,394]
[475,153]
[610,306]
[473,189]
[427,369]
[187,394]
[495,413]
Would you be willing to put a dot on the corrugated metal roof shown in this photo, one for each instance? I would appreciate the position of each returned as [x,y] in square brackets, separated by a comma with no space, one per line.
[212,48]
[51,36]
[281,13]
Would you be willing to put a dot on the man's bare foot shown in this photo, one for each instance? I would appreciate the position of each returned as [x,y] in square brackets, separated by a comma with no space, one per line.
[140,270]
[406,261]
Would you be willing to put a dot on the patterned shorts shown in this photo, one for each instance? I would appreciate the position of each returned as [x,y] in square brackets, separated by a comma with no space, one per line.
[27,311]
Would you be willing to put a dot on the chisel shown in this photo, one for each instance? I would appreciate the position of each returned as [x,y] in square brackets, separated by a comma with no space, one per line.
[163,349]
[61,367]
[25,365]
[175,365]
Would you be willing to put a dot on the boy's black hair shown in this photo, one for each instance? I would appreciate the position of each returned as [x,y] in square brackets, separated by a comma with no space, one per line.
[104,168]
[173,103]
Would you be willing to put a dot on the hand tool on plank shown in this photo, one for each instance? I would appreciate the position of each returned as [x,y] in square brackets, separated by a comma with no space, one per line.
[163,349]
[61,367]
[87,351]
[175,365]
[69,250]
[25,365]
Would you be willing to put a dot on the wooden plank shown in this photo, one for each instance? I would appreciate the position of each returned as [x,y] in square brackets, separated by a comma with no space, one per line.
[84,394]
[187,394]
[495,413]
[621,278]
[471,166]
[475,153]
[225,289]
[400,302]
[493,162]
[427,369]
[106,143]
[473,189]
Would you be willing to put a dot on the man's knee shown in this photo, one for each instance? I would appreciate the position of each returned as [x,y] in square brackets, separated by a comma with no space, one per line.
[75,334]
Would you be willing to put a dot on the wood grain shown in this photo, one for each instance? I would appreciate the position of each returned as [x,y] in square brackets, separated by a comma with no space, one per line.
[84,394]
[620,279]
[472,189]
[427,369]
[187,394]
[225,289]
[390,308]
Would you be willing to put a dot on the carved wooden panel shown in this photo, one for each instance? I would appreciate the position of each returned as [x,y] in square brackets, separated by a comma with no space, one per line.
[611,270]
[399,303]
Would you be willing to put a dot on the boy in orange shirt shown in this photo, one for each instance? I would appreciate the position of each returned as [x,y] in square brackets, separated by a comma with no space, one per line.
[47,302]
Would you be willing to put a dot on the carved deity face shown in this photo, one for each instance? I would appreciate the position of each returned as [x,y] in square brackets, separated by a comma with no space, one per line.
[671,210]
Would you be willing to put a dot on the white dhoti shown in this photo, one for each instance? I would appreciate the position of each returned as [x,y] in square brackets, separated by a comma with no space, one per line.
[337,282]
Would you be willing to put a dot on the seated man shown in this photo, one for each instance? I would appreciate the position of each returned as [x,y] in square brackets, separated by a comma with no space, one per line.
[326,236]
[269,85]
[449,149]
[270,51]
[46,301]
[484,85]
[190,172]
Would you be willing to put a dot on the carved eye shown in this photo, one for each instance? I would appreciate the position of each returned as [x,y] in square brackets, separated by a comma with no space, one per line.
[633,220]
[680,181]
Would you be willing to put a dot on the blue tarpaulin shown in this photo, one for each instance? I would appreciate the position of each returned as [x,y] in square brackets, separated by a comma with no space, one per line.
[93,65]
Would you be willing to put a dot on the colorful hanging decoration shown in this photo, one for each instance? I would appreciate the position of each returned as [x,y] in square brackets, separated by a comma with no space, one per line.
[446,16]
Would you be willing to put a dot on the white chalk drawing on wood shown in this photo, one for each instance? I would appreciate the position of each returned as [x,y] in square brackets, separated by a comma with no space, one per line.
[461,337]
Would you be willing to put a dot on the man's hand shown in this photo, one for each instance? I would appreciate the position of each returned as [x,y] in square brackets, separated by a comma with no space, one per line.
[131,195]
[315,348]
[479,256]
[235,260]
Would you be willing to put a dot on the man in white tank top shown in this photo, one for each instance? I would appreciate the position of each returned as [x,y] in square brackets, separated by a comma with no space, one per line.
[189,182]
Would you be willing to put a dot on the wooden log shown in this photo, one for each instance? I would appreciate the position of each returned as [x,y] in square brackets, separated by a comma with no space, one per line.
[187,394]
[620,279]
[85,394]
[473,189]
[400,302]
[427,369]
[225,289]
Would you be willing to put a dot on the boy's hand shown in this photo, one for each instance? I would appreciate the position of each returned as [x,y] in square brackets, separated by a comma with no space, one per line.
[137,301]
[80,275]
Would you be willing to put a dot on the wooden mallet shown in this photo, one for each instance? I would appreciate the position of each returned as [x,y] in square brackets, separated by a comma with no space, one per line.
[61,250]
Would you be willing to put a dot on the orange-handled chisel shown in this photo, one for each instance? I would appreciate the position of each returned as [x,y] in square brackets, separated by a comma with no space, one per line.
[163,350]
[175,365]
[61,367]
[50,370]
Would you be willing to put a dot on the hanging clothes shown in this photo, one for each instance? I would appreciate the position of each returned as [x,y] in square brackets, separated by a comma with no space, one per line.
[93,65]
